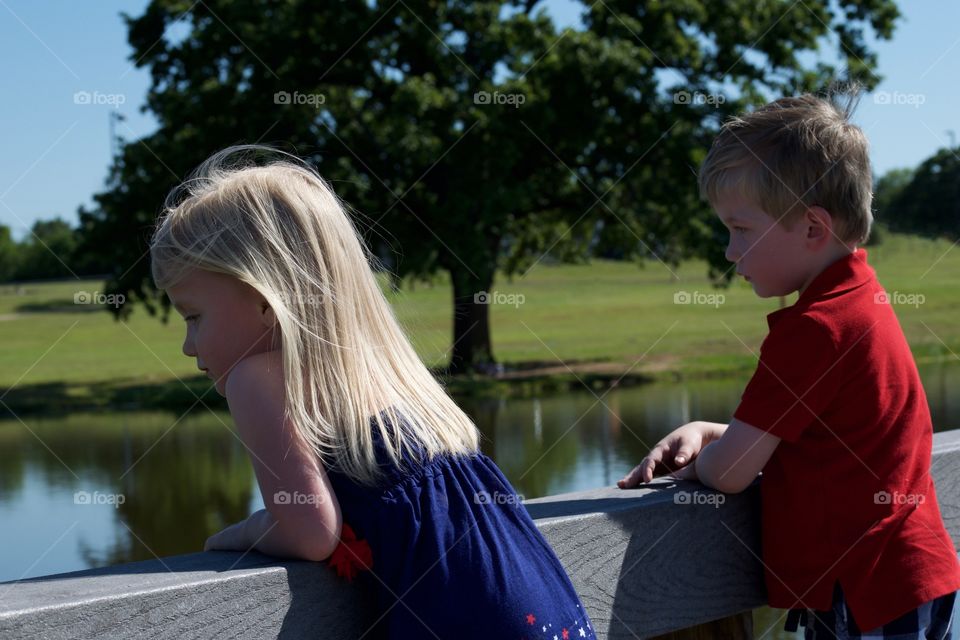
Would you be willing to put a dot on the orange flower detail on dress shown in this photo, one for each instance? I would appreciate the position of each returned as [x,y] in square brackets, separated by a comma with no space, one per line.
[351,555]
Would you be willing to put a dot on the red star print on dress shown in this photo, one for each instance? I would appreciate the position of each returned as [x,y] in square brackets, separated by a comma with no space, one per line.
[575,630]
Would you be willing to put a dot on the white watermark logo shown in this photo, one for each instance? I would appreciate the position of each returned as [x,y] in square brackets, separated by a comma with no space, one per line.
[86,498]
[305,299]
[86,297]
[899,298]
[498,297]
[896,98]
[485,497]
[712,99]
[286,497]
[512,99]
[699,297]
[699,497]
[97,98]
[312,99]
[885,497]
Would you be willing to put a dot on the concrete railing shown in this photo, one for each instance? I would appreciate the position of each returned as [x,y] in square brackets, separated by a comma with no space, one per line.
[643,563]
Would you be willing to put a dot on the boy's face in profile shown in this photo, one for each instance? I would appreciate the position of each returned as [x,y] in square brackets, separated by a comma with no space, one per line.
[774,259]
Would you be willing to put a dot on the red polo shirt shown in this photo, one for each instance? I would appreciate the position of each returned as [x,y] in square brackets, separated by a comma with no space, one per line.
[847,495]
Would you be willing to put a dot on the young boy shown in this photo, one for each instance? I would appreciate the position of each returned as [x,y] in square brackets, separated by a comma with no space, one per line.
[835,415]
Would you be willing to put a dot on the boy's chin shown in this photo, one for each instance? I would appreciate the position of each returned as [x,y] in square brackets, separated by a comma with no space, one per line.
[767,293]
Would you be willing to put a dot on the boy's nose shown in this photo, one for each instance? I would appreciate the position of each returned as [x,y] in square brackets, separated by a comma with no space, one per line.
[731,255]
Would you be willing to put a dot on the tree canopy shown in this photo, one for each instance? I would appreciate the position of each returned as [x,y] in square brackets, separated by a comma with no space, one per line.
[472,137]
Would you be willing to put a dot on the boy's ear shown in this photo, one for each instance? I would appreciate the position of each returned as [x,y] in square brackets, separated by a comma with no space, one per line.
[818,224]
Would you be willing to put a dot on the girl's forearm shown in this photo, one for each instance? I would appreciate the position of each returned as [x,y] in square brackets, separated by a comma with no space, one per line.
[266,534]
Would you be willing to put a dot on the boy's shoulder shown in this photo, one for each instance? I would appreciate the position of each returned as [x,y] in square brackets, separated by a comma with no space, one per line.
[801,330]
[835,315]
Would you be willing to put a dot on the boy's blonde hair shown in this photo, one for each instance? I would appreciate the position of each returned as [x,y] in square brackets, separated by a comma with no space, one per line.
[792,154]
[281,229]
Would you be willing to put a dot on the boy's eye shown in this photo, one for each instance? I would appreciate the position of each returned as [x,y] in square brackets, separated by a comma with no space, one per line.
[189,318]
[739,229]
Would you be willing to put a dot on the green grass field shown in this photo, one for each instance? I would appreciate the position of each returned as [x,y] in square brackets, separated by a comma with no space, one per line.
[605,312]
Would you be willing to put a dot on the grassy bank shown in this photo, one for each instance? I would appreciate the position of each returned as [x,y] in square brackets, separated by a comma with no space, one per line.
[557,324]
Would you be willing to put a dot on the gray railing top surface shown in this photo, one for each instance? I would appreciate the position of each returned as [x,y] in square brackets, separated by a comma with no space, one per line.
[642,563]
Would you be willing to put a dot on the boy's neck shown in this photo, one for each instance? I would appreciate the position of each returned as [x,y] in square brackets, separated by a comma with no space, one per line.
[830,255]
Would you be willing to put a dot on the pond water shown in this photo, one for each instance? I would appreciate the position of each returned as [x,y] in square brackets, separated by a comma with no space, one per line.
[90,490]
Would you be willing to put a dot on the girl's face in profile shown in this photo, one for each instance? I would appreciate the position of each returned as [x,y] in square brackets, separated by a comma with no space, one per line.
[227,321]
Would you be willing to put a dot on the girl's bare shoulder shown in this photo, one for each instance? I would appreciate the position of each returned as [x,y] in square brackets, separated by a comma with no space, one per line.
[260,374]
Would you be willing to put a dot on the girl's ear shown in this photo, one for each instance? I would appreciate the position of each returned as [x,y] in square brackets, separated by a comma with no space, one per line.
[268,317]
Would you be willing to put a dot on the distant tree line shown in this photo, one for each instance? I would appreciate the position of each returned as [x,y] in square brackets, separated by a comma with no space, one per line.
[51,250]
[924,200]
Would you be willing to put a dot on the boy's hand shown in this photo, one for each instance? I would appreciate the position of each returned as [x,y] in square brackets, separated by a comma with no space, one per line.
[674,453]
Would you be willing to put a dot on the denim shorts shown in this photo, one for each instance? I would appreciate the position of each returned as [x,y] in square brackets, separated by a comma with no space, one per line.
[930,621]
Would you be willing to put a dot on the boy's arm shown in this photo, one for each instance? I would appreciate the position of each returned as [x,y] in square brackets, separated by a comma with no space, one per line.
[674,453]
[733,462]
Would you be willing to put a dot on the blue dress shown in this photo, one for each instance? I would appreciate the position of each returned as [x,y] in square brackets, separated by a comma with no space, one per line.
[452,540]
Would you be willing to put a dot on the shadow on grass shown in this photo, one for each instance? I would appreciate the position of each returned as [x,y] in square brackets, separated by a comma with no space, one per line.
[59,398]
[58,306]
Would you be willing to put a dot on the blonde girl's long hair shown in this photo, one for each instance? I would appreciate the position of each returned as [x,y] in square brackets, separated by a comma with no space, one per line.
[279,228]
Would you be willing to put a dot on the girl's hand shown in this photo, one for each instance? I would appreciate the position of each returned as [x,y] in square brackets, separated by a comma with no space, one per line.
[233,538]
[674,453]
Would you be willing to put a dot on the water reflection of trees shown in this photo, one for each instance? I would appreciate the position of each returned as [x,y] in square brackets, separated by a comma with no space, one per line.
[183,483]
[196,479]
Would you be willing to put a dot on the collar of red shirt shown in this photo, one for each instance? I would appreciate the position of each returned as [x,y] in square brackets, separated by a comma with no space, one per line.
[843,274]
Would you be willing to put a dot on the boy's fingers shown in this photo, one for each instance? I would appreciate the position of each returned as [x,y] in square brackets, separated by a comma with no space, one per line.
[643,472]
[647,467]
[632,479]
[683,474]
[629,480]
[683,455]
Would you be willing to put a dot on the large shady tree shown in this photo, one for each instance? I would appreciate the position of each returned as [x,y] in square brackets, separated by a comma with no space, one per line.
[472,137]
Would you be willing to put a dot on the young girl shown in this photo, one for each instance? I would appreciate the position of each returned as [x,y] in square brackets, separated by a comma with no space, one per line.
[360,455]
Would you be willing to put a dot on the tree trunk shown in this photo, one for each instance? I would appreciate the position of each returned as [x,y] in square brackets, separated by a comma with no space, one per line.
[472,298]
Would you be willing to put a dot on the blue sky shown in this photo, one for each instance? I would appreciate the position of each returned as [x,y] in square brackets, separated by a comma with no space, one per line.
[56,152]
